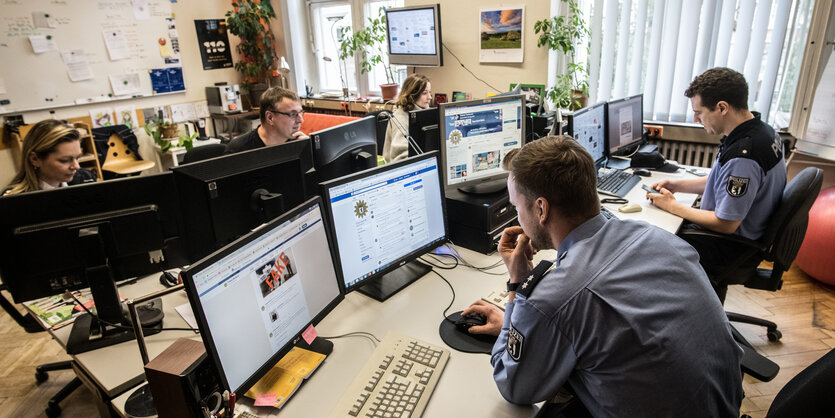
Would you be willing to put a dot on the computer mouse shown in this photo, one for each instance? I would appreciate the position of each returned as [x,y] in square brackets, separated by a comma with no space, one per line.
[643,172]
[630,208]
[471,320]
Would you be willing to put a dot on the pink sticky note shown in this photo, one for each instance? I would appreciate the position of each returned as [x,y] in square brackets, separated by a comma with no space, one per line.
[267,399]
[309,334]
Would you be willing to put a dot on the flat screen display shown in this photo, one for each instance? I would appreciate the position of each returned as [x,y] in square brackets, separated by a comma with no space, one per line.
[414,35]
[625,120]
[590,130]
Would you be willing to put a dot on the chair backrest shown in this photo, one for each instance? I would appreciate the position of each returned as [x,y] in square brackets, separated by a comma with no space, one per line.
[382,126]
[203,152]
[809,393]
[787,226]
[121,160]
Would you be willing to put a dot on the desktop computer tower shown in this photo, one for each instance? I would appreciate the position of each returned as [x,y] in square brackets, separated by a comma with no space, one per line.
[180,378]
[475,219]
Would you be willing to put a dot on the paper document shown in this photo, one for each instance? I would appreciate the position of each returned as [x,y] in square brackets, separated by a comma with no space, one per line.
[126,115]
[42,20]
[185,311]
[182,112]
[77,66]
[141,10]
[125,84]
[117,44]
[287,375]
[42,43]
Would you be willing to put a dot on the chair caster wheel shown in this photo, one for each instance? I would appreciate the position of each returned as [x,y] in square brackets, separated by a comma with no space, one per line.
[41,376]
[774,335]
[53,410]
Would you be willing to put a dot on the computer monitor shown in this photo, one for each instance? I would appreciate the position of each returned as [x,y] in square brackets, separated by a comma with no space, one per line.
[225,197]
[414,35]
[424,130]
[588,127]
[626,128]
[91,235]
[476,135]
[344,149]
[253,298]
[383,219]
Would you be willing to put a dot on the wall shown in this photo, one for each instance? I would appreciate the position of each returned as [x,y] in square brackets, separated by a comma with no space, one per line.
[185,12]
[460,32]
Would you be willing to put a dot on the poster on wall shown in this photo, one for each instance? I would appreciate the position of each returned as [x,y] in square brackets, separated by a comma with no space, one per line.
[500,34]
[213,40]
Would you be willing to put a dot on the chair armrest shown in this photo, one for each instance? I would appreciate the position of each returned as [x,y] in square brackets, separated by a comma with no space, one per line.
[727,237]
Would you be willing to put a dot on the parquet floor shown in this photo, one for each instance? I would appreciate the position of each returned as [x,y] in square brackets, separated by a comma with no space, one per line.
[804,311]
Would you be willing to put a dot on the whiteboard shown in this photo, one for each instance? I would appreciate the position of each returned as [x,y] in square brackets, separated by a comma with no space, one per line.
[71,32]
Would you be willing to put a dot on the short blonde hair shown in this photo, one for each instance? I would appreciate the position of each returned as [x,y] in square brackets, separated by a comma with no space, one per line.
[41,140]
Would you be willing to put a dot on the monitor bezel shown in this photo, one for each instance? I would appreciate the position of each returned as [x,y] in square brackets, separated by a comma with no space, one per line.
[326,186]
[197,307]
[324,169]
[615,148]
[588,109]
[418,60]
[442,110]
[419,131]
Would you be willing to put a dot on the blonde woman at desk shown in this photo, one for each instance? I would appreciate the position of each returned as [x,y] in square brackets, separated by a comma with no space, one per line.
[415,93]
[49,159]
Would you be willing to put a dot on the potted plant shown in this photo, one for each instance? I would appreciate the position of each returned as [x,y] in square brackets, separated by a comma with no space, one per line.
[250,21]
[563,34]
[166,135]
[370,43]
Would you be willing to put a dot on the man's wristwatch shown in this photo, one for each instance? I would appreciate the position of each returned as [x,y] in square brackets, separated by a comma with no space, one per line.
[511,287]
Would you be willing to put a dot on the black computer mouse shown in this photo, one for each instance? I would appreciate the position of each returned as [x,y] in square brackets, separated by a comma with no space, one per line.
[471,320]
[643,172]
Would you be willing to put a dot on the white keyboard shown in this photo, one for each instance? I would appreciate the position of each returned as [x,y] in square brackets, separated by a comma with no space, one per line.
[498,296]
[396,381]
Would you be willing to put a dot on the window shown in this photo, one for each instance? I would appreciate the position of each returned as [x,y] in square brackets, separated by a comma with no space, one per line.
[657,47]
[329,19]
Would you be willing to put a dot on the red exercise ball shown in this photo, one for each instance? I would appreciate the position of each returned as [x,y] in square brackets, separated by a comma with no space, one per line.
[817,254]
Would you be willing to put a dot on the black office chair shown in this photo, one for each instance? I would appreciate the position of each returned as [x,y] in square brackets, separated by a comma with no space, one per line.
[383,117]
[203,153]
[810,393]
[31,325]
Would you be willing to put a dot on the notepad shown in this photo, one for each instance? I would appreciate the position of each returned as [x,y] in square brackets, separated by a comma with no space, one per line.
[287,375]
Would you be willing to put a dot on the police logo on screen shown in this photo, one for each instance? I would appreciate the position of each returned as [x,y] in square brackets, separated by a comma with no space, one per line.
[737,186]
[515,340]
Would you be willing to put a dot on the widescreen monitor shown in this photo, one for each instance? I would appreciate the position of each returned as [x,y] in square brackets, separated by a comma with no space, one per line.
[383,219]
[91,235]
[475,136]
[253,298]
[344,149]
[625,124]
[589,129]
[414,35]
[225,197]
[424,130]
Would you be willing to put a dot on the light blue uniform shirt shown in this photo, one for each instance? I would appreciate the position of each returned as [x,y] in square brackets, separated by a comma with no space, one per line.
[628,318]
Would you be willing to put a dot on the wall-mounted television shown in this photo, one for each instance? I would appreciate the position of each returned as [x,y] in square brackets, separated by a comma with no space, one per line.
[414,35]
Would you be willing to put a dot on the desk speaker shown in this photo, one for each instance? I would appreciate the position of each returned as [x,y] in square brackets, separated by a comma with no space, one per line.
[180,378]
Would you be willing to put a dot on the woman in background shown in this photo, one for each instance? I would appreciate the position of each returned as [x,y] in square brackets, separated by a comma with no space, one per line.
[49,159]
[415,93]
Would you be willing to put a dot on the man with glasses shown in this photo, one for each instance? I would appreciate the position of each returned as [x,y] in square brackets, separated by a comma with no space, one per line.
[281,118]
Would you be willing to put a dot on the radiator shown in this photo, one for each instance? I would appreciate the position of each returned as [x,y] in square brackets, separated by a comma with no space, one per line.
[688,153]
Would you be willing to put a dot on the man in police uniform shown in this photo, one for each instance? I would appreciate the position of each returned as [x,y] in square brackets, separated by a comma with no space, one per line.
[633,333]
[281,117]
[746,182]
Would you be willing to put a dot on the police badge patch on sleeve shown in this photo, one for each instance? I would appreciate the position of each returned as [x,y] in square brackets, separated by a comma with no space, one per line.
[515,341]
[737,186]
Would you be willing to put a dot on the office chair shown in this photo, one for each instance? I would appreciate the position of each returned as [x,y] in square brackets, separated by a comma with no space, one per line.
[31,325]
[203,153]
[121,161]
[810,393]
[382,124]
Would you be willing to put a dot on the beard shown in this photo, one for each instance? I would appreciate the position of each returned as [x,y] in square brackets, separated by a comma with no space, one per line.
[540,239]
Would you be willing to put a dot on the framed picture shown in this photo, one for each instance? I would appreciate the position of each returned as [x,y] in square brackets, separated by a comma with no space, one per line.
[534,93]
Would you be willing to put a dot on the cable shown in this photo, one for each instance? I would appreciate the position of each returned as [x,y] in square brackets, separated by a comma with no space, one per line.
[120,326]
[484,270]
[403,131]
[371,337]
[441,265]
[468,70]
[446,318]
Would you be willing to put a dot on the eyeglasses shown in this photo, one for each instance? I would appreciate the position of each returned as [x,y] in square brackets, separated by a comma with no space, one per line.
[291,115]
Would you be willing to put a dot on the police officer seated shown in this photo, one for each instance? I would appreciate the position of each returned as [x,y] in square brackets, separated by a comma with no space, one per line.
[631,332]
[747,180]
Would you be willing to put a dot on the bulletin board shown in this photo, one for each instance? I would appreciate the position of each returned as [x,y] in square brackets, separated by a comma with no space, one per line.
[88,51]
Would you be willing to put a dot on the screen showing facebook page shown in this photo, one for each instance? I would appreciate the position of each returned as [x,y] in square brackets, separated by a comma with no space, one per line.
[589,130]
[412,31]
[259,297]
[380,218]
[479,136]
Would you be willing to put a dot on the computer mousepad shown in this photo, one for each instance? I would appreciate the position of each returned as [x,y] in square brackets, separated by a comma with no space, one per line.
[462,340]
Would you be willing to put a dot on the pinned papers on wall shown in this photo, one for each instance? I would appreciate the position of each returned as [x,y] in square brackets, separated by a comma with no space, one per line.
[182,112]
[42,20]
[140,10]
[125,84]
[102,117]
[201,109]
[77,67]
[42,43]
[126,115]
[117,44]
[166,80]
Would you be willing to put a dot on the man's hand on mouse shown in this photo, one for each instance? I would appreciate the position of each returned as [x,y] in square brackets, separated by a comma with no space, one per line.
[494,315]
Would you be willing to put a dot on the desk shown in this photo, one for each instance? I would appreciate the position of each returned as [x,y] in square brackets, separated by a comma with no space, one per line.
[650,213]
[466,387]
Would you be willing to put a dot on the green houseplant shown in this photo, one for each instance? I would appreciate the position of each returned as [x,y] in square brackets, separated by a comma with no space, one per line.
[370,44]
[165,133]
[250,21]
[563,34]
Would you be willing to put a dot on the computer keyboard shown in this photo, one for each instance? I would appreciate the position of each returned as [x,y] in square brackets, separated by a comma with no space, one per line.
[616,182]
[607,213]
[498,296]
[396,381]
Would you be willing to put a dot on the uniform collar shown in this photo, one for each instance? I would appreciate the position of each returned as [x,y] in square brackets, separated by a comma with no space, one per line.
[740,131]
[585,230]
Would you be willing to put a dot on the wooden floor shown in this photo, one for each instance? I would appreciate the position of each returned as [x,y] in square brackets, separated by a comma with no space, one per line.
[804,310]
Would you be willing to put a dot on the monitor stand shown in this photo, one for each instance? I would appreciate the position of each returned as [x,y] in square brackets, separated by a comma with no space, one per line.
[383,287]
[488,187]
